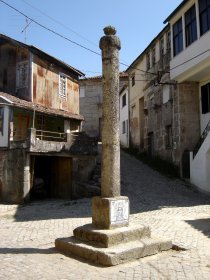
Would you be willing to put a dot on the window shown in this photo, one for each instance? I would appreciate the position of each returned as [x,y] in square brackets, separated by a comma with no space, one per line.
[22,74]
[124,100]
[123,127]
[166,93]
[168,41]
[204,13]
[5,78]
[177,37]
[41,122]
[62,85]
[161,48]
[168,139]
[148,60]
[190,26]
[153,57]
[82,92]
[133,111]
[205,98]
[1,120]
[133,80]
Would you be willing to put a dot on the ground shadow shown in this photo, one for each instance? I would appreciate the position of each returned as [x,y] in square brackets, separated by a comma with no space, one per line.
[146,189]
[27,251]
[202,225]
[53,209]
[47,251]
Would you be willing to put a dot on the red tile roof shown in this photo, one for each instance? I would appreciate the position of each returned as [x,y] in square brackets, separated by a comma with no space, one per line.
[122,75]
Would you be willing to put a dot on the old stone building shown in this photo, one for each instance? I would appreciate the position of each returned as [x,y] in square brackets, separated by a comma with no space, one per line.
[124,116]
[164,114]
[91,102]
[190,68]
[41,147]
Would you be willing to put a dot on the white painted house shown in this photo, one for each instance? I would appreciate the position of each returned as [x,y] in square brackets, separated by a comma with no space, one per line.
[190,30]
[124,117]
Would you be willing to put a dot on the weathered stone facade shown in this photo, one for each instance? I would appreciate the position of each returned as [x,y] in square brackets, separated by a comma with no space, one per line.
[40,124]
[164,115]
[12,166]
[91,103]
[180,114]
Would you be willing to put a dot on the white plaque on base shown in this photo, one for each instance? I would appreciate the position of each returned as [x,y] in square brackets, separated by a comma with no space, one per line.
[119,212]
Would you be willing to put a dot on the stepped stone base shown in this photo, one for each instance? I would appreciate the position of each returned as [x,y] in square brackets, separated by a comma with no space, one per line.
[112,247]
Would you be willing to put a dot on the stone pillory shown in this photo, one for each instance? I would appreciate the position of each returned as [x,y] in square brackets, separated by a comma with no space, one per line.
[110,210]
[110,240]
[110,46]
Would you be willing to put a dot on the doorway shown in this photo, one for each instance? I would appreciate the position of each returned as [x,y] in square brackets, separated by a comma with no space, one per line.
[51,177]
[141,123]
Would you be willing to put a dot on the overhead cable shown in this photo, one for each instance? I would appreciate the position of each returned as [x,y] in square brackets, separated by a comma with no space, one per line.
[51,30]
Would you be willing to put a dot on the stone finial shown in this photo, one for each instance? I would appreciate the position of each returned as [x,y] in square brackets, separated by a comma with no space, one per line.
[110,30]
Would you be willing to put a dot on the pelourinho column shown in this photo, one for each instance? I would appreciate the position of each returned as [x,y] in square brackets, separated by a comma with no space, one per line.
[110,210]
[110,240]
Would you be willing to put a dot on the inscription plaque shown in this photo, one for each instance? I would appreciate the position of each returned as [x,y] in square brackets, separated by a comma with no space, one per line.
[119,211]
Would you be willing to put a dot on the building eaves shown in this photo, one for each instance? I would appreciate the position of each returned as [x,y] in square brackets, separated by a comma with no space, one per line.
[99,78]
[175,11]
[13,101]
[146,49]
[43,54]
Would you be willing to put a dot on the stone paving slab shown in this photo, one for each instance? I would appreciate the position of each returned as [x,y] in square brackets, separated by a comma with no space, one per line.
[170,207]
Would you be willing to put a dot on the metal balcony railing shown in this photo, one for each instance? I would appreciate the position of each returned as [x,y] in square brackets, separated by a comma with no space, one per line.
[51,136]
[201,140]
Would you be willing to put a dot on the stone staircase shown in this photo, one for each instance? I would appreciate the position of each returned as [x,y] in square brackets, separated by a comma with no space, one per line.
[112,247]
[92,187]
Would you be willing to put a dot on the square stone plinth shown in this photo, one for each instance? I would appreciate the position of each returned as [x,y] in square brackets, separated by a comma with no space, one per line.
[107,238]
[113,255]
[108,213]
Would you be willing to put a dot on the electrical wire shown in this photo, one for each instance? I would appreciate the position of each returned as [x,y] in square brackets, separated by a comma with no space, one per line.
[69,40]
[84,47]
[51,30]
[58,22]
[147,72]
[189,59]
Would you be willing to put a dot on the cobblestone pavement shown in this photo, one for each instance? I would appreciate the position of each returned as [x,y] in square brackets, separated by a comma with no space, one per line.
[170,207]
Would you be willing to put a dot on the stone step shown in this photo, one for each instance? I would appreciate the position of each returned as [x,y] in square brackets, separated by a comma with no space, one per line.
[113,255]
[108,238]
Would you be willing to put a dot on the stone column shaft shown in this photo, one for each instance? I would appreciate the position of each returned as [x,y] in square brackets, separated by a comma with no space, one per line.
[110,176]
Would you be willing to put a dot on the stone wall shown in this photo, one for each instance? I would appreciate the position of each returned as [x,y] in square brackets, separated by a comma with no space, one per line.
[91,103]
[12,175]
[158,117]
[186,124]
[181,112]
[90,106]
[83,168]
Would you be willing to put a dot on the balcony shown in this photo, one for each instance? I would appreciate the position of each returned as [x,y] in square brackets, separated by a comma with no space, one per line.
[193,63]
[39,141]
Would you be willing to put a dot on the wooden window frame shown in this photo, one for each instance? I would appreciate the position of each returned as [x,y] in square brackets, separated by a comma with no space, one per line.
[190,26]
[62,91]
[177,37]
